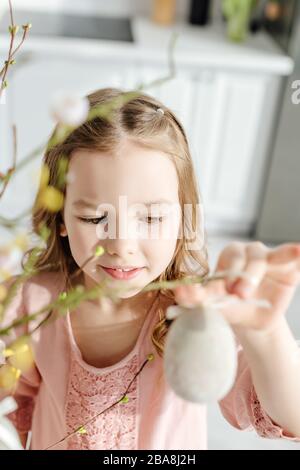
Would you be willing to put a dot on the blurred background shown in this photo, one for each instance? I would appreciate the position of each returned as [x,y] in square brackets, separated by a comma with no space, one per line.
[236,91]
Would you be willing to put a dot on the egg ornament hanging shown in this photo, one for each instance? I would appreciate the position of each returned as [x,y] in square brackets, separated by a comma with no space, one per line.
[200,356]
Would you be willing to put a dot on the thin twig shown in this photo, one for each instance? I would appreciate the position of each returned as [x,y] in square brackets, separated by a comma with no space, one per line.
[3,72]
[171,67]
[113,293]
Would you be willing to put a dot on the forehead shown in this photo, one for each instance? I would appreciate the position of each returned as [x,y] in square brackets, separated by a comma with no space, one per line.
[141,174]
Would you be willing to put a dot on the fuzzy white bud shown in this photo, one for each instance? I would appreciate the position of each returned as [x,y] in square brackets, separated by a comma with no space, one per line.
[69,109]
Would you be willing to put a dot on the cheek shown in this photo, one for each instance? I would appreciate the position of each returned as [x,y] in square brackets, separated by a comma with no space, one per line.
[163,239]
[82,240]
[160,253]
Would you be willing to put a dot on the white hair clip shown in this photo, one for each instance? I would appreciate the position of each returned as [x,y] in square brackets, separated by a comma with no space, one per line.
[161,111]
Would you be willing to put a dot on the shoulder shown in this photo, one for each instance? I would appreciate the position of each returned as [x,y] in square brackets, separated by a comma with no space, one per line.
[42,289]
[31,294]
[47,279]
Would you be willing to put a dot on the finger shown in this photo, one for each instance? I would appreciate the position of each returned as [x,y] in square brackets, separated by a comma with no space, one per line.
[285,253]
[232,258]
[239,312]
[255,269]
[288,275]
[190,295]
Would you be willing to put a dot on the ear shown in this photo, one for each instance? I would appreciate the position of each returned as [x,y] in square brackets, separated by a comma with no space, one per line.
[63,231]
[62,228]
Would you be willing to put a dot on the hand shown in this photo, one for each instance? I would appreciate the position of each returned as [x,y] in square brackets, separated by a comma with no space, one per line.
[272,274]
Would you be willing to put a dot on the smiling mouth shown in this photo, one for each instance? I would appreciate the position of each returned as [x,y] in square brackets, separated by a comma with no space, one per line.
[118,273]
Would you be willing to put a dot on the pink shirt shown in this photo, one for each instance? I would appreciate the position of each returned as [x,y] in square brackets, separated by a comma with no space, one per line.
[62,392]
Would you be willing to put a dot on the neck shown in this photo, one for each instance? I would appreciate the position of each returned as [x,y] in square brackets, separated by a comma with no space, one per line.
[130,309]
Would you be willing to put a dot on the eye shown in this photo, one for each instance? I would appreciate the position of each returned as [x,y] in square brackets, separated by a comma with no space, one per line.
[94,221]
[154,219]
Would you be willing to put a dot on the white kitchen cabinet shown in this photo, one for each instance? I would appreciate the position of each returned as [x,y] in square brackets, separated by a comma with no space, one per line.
[231,138]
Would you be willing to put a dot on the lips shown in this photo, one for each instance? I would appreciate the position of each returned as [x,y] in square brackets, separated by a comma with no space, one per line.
[121,268]
[122,275]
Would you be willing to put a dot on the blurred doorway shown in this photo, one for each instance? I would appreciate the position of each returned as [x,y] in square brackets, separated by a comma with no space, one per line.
[279,219]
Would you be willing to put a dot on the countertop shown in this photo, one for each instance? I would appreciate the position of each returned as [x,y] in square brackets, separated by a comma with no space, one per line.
[195,47]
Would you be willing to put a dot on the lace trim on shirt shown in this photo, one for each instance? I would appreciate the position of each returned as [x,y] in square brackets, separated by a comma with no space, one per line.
[21,418]
[88,394]
[263,424]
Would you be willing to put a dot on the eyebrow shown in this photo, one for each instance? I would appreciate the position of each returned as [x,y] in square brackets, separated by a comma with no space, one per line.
[83,203]
[160,201]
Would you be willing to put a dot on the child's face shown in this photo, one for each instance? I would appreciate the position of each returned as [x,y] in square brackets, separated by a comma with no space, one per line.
[119,186]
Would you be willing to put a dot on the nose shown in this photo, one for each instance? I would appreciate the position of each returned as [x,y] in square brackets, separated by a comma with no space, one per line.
[121,238]
[120,247]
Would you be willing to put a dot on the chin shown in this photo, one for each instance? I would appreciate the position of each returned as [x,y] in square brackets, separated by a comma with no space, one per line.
[130,294]
[114,284]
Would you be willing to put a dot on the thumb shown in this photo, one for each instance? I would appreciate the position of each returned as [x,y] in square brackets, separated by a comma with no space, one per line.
[190,295]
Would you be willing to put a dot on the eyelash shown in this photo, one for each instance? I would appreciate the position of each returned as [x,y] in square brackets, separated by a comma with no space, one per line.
[100,219]
[90,221]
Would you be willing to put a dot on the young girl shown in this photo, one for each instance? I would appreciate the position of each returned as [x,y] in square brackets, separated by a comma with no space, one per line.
[101,351]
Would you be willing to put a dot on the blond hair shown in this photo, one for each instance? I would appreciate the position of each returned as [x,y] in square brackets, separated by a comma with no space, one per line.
[138,120]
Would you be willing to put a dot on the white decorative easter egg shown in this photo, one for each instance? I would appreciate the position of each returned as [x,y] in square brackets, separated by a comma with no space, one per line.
[200,358]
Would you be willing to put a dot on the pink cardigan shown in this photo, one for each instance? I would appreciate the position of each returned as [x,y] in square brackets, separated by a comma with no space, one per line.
[62,391]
